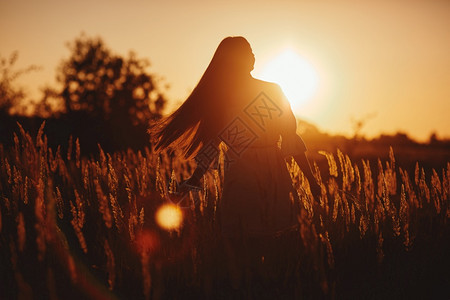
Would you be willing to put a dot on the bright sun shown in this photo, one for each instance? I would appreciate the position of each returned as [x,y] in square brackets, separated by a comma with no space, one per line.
[297,77]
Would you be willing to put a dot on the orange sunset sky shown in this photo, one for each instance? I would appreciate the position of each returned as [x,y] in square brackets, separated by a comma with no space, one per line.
[386,59]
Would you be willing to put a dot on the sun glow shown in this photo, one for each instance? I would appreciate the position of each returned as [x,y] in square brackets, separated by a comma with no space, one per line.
[297,77]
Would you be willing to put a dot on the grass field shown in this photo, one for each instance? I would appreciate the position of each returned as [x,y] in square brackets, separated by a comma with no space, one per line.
[73,227]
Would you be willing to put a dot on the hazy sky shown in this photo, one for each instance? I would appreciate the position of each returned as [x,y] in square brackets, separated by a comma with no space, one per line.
[389,59]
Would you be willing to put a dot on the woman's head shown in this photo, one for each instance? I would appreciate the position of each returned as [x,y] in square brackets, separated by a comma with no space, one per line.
[233,55]
[200,117]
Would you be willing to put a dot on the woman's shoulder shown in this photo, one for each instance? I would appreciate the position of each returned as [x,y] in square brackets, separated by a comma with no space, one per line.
[266,84]
[271,89]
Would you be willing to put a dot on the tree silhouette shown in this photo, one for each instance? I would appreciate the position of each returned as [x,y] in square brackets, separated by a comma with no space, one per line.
[104,98]
[107,86]
[11,95]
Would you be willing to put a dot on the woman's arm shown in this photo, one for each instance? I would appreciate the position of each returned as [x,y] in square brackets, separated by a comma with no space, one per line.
[193,182]
[292,145]
[204,159]
[305,166]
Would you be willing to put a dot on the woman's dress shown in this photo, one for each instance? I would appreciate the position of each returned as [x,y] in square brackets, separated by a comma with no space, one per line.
[258,197]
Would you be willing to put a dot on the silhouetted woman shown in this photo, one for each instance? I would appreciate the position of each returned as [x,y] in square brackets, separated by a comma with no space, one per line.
[250,117]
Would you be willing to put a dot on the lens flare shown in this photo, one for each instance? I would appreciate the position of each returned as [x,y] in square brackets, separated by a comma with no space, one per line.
[169,217]
[147,242]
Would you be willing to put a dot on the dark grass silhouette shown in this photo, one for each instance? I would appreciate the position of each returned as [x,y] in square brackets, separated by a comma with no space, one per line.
[53,201]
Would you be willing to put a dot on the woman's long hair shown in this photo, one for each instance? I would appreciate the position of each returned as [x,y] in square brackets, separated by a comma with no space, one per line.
[200,117]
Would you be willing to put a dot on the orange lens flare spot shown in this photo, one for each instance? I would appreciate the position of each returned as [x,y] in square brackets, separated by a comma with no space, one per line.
[169,217]
[147,242]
